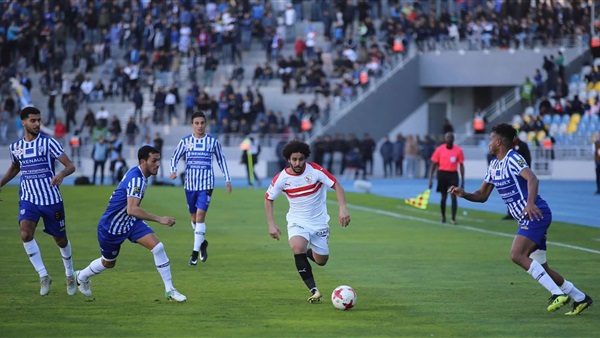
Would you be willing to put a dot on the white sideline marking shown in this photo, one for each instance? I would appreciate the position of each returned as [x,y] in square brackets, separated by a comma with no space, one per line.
[465,227]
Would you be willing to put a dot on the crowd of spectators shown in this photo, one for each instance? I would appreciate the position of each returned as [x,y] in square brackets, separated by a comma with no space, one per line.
[84,52]
[341,154]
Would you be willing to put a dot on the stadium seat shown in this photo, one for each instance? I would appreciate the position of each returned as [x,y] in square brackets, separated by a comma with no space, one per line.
[583,95]
[529,111]
[595,119]
[575,118]
[596,62]
[554,129]
[592,127]
[531,136]
[585,70]
[573,87]
[541,135]
[562,128]
[574,79]
[565,118]
[571,128]
[556,118]
[517,119]
[547,119]
[585,119]
[523,135]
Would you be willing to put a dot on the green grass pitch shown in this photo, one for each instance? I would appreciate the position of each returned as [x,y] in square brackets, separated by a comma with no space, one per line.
[413,276]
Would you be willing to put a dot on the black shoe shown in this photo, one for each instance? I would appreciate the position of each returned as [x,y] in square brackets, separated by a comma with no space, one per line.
[508,218]
[203,253]
[578,307]
[194,258]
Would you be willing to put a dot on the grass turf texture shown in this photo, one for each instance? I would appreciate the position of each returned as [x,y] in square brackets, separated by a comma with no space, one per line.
[413,276]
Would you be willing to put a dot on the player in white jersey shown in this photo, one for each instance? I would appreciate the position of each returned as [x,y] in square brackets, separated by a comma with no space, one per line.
[518,186]
[305,186]
[124,219]
[199,149]
[34,157]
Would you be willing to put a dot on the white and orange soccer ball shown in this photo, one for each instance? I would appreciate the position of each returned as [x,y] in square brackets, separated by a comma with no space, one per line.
[343,297]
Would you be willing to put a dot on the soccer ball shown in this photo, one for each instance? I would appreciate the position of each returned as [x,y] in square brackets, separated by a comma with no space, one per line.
[343,297]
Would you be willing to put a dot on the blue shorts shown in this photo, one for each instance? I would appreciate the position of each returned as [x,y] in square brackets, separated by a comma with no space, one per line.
[198,200]
[110,244]
[536,230]
[53,216]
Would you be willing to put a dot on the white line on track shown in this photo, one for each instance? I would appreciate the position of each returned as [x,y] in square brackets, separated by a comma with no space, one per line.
[464,227]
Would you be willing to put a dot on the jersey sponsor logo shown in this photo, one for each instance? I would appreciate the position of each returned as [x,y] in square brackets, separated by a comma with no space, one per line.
[190,145]
[22,211]
[18,151]
[308,178]
[521,162]
[136,190]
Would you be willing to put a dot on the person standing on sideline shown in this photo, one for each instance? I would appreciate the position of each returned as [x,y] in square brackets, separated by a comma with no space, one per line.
[199,149]
[34,156]
[399,146]
[447,159]
[100,153]
[367,148]
[387,154]
[305,186]
[250,151]
[518,187]
[125,219]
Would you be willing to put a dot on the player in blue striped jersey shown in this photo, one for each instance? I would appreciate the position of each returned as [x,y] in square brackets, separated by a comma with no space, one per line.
[198,149]
[34,156]
[124,219]
[518,187]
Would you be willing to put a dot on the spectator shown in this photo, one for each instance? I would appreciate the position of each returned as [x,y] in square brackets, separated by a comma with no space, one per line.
[398,154]
[387,154]
[99,155]
[367,148]
[250,159]
[60,131]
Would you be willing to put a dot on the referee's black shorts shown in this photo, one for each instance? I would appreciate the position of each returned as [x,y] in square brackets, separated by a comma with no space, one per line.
[446,179]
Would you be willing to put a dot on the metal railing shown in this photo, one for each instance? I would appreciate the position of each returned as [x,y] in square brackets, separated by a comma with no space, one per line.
[374,83]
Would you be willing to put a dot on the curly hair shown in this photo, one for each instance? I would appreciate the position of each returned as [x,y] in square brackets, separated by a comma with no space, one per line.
[295,146]
[506,132]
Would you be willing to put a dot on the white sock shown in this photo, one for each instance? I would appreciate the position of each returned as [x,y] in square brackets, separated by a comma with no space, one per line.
[570,289]
[67,259]
[537,271]
[35,257]
[93,269]
[163,266]
[199,235]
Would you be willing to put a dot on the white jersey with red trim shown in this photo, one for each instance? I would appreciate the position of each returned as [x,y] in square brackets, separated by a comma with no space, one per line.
[306,193]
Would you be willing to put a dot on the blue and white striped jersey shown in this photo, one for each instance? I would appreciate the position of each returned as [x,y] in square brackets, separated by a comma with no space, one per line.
[505,176]
[198,152]
[37,159]
[115,219]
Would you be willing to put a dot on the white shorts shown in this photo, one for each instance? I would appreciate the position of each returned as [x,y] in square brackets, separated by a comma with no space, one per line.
[317,237]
